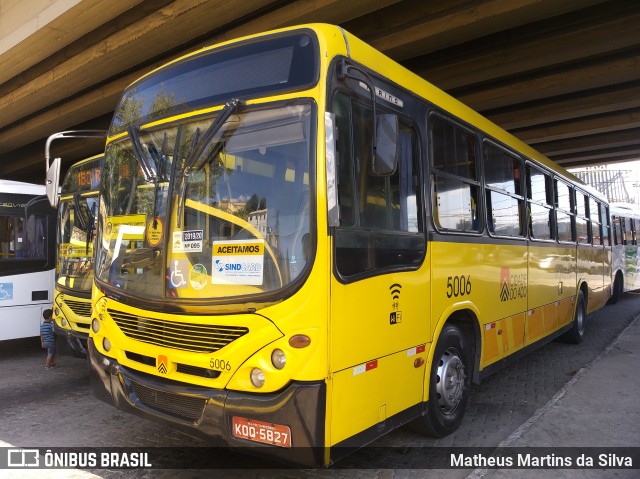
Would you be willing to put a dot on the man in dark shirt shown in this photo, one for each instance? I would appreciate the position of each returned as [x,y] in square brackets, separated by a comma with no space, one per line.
[48,339]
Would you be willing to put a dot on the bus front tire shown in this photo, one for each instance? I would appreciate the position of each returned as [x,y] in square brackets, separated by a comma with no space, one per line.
[576,333]
[449,384]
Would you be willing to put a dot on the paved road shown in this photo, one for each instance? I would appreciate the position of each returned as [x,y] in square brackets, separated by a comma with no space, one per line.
[40,408]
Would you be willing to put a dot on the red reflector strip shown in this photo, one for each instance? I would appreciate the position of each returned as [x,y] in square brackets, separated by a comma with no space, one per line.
[416,350]
[262,432]
[363,368]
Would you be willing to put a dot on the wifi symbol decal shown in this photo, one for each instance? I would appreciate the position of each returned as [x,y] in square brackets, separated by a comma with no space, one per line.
[396,316]
[395,291]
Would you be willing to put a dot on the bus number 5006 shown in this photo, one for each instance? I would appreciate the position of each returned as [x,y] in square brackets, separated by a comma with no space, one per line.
[219,364]
[458,286]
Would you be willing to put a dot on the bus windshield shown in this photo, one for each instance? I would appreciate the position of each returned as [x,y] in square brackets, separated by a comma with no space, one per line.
[233,220]
[76,218]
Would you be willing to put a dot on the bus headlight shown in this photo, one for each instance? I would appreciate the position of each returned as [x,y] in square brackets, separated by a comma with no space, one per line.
[257,377]
[278,359]
[95,325]
[56,311]
[63,322]
[106,344]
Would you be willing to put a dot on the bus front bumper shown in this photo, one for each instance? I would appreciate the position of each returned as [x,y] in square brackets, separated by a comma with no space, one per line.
[209,413]
[76,341]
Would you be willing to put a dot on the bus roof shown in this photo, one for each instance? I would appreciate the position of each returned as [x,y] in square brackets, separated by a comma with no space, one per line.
[367,55]
[10,186]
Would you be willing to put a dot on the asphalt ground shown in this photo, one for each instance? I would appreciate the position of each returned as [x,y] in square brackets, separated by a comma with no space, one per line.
[560,396]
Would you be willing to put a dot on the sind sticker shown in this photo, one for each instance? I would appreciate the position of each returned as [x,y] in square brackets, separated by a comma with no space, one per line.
[238,262]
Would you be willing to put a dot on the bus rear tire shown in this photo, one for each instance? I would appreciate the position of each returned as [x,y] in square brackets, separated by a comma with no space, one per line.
[576,333]
[617,290]
[449,384]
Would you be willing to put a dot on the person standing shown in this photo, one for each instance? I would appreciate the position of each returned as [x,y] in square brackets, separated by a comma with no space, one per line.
[47,338]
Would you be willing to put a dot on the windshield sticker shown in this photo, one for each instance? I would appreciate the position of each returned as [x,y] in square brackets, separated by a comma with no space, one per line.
[133,226]
[187,241]
[238,262]
[154,232]
[198,276]
[68,250]
[178,273]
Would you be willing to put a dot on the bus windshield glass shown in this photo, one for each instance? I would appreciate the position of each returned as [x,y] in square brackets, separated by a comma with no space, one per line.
[283,63]
[75,241]
[77,215]
[233,220]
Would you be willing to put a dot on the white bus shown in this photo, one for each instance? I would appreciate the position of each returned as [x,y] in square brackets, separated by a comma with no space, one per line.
[624,262]
[27,258]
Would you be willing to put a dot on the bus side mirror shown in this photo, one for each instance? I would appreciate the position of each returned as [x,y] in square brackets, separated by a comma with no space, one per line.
[52,182]
[385,158]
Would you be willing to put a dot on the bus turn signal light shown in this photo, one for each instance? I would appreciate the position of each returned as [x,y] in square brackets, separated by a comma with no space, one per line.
[299,341]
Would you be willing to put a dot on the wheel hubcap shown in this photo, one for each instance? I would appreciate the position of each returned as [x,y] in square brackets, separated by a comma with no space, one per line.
[450,381]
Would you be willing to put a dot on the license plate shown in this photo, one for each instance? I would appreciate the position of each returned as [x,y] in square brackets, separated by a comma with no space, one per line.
[262,432]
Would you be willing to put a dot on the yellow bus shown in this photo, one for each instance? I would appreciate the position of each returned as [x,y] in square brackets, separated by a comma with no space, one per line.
[625,264]
[302,246]
[77,212]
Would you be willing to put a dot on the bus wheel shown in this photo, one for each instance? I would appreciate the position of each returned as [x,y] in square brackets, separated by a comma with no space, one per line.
[617,290]
[576,333]
[449,384]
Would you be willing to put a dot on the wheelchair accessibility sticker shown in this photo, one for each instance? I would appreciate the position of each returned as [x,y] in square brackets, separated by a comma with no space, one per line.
[238,262]
[6,291]
[178,273]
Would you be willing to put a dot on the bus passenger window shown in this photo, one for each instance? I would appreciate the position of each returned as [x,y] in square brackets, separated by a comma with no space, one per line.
[565,216]
[505,206]
[606,225]
[582,219]
[541,222]
[455,184]
[596,224]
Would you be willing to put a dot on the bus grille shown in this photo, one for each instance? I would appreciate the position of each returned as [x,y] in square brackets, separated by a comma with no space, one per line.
[184,407]
[199,338]
[80,308]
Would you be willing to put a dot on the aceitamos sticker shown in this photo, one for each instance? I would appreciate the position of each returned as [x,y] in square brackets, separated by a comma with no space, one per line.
[238,262]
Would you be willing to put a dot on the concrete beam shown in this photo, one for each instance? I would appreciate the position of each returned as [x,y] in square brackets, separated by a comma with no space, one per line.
[29,35]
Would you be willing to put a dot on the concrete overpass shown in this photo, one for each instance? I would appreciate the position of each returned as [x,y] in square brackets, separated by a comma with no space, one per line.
[563,76]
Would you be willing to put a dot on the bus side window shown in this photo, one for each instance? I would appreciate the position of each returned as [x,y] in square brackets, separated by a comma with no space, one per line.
[539,195]
[376,212]
[596,222]
[606,224]
[505,205]
[455,182]
[565,217]
[628,232]
[583,225]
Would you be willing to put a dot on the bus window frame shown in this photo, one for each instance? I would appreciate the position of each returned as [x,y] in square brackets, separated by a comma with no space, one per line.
[354,91]
[572,213]
[521,197]
[549,205]
[477,182]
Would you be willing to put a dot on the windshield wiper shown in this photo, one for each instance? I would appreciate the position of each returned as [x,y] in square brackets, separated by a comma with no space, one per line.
[148,169]
[151,164]
[79,212]
[198,146]
[90,226]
